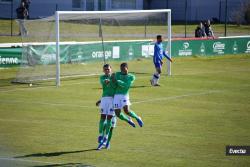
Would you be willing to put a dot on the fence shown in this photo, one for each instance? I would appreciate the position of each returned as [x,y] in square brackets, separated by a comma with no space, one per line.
[185,14]
[126,50]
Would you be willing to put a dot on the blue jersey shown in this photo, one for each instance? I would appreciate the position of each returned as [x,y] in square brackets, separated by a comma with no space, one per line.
[158,53]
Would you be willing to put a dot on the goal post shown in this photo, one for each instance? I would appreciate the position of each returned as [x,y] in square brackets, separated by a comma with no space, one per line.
[169,42]
[58,80]
[72,44]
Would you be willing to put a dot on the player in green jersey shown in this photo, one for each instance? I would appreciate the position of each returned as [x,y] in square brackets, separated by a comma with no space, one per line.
[108,119]
[124,80]
[102,128]
[106,105]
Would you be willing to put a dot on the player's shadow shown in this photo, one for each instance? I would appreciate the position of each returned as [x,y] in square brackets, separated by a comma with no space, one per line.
[5,82]
[141,73]
[140,86]
[133,87]
[65,165]
[53,154]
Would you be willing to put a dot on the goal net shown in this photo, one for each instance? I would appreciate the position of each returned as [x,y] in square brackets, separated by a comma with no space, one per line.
[78,43]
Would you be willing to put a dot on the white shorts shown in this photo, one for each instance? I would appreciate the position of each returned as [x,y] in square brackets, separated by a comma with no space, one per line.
[120,101]
[106,106]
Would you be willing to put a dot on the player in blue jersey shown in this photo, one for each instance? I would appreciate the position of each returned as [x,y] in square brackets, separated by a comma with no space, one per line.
[159,53]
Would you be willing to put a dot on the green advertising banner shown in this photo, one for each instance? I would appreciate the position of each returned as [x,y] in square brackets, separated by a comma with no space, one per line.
[120,51]
[84,53]
[210,47]
[10,57]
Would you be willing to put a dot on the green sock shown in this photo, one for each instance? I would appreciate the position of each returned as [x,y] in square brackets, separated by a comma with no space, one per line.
[101,126]
[108,126]
[123,117]
[104,128]
[110,135]
[133,115]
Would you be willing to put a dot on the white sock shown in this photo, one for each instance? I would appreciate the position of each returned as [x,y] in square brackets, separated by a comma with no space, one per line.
[156,77]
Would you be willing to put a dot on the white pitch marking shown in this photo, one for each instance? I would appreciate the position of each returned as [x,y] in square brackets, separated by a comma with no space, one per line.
[43,122]
[136,102]
[175,97]
[24,160]
[34,87]
[46,103]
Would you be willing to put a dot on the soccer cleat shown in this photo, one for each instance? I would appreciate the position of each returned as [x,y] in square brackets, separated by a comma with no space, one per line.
[157,84]
[152,82]
[107,146]
[130,122]
[140,122]
[102,144]
[100,139]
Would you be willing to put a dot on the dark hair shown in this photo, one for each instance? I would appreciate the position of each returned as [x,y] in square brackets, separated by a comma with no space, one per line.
[158,37]
[106,66]
[124,65]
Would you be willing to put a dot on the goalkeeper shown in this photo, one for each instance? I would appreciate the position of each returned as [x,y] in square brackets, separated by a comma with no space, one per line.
[124,81]
[157,59]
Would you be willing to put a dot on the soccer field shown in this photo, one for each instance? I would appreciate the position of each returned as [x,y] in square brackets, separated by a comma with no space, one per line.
[189,120]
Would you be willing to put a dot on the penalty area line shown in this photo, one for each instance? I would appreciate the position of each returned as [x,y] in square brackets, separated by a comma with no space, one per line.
[46,103]
[42,87]
[176,97]
[136,102]
[25,160]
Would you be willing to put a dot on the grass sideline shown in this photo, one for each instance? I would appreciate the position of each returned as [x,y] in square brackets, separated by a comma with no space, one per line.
[189,120]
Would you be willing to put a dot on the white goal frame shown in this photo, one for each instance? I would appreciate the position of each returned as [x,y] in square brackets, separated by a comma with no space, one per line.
[57,26]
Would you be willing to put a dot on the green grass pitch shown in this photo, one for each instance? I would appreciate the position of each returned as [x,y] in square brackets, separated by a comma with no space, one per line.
[189,120]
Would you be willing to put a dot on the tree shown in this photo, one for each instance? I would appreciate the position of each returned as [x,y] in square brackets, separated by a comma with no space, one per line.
[147,4]
[242,14]
[247,13]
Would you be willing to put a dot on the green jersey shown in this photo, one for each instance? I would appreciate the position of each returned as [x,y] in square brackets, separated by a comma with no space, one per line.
[124,82]
[108,90]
